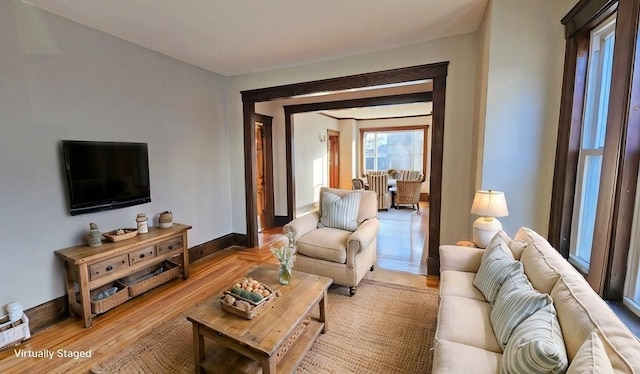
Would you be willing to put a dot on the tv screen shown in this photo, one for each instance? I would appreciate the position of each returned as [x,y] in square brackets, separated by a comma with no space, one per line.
[105,175]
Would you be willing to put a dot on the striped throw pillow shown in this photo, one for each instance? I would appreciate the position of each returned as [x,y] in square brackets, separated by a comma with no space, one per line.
[536,346]
[515,302]
[340,213]
[495,266]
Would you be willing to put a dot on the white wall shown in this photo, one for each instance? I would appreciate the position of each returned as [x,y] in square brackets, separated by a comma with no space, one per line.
[459,50]
[522,60]
[60,80]
[348,140]
[311,164]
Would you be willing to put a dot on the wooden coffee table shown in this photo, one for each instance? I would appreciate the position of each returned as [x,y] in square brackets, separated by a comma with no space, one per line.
[276,339]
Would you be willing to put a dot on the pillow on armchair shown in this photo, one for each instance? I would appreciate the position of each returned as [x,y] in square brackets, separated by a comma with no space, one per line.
[339,212]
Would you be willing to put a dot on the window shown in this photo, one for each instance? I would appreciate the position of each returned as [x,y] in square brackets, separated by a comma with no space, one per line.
[388,148]
[591,153]
[594,191]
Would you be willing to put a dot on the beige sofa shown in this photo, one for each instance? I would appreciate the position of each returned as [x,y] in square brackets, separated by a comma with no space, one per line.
[465,340]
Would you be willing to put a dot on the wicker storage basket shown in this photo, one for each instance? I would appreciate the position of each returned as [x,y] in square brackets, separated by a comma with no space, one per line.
[101,306]
[257,307]
[151,277]
[12,333]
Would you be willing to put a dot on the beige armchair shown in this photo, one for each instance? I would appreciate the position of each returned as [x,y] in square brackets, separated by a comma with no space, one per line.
[343,255]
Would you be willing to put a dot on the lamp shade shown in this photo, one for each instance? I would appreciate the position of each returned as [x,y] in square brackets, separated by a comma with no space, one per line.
[489,204]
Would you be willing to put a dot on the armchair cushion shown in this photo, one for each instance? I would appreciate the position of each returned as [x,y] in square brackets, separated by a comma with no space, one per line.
[325,243]
[339,212]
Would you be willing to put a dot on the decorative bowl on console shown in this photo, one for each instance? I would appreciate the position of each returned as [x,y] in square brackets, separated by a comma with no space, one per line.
[120,234]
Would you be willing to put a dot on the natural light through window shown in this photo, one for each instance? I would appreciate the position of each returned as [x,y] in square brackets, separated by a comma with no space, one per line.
[384,150]
[592,143]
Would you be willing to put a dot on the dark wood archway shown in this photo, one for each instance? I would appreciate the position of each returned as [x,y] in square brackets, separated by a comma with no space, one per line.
[436,72]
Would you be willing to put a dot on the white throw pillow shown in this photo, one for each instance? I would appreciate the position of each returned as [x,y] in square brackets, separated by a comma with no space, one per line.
[536,346]
[495,265]
[591,358]
[515,301]
[340,213]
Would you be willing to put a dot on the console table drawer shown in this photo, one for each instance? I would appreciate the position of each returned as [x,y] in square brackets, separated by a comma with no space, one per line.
[169,246]
[142,255]
[106,267]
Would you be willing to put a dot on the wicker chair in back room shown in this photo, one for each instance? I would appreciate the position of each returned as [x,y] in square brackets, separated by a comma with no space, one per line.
[357,184]
[408,193]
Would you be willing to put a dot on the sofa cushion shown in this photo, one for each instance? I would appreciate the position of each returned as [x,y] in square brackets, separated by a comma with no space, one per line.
[459,283]
[466,321]
[581,311]
[339,212]
[536,345]
[452,357]
[325,244]
[516,301]
[495,266]
[591,358]
[516,246]
[542,263]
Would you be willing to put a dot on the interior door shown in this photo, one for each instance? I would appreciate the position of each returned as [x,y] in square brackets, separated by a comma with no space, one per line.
[260,177]
[333,156]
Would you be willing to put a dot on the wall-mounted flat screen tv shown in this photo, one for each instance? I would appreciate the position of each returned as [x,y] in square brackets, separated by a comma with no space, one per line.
[105,175]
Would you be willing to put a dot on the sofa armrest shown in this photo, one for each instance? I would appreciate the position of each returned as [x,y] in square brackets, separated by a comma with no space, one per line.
[454,257]
[366,233]
[302,225]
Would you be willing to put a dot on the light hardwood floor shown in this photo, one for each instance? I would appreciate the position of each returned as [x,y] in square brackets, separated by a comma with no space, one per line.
[118,328]
[402,239]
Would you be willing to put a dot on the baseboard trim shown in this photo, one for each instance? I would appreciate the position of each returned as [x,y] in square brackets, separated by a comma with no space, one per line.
[424,196]
[56,310]
[216,245]
[279,221]
[46,314]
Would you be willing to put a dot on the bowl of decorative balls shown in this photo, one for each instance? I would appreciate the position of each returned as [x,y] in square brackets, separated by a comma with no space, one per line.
[247,297]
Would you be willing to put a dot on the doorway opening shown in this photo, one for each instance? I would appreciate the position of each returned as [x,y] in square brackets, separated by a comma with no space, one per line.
[437,73]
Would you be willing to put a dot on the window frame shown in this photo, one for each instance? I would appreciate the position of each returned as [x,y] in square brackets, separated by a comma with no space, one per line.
[593,126]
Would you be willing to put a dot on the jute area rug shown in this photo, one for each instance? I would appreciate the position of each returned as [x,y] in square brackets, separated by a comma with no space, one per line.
[384,328]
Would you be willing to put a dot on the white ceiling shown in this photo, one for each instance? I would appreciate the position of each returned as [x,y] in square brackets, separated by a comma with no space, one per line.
[232,37]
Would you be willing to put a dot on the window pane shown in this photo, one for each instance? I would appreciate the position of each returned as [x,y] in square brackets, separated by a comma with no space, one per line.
[588,204]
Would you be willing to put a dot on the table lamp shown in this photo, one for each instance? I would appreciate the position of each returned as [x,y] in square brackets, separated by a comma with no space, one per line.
[488,205]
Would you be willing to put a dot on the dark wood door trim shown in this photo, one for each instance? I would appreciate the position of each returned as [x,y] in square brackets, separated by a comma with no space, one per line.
[408,74]
[267,123]
[436,72]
